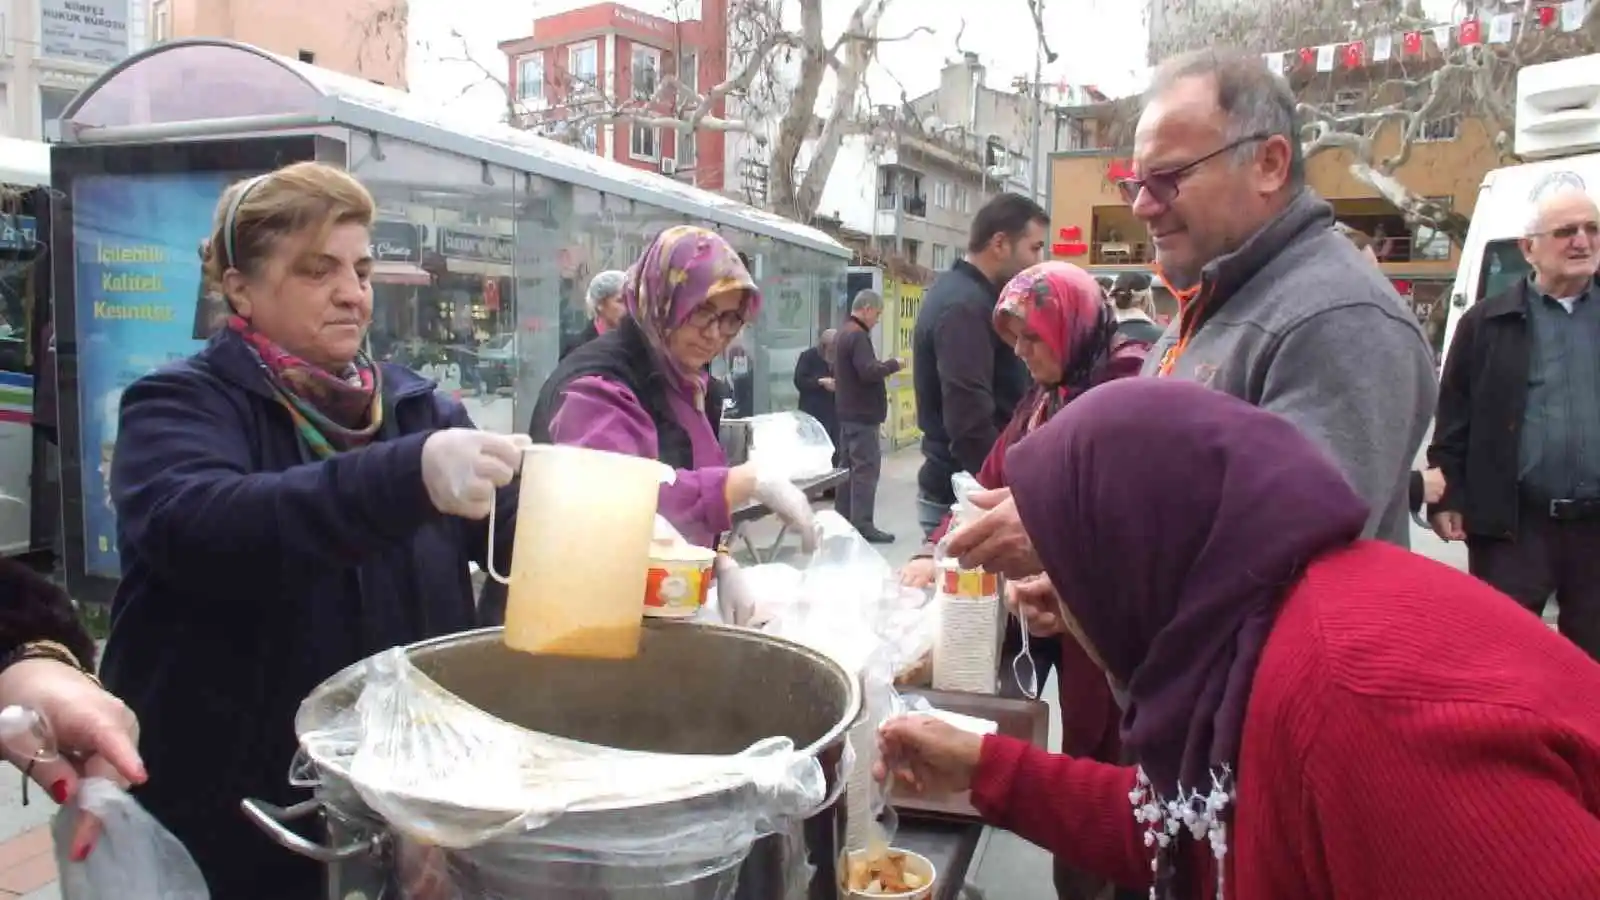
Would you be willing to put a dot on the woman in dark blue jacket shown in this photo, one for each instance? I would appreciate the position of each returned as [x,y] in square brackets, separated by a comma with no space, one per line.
[285,507]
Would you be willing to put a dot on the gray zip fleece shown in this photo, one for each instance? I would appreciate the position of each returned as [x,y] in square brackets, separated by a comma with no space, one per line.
[1298,321]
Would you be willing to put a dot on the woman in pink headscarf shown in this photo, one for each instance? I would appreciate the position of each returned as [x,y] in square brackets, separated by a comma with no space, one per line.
[1056,317]
[642,388]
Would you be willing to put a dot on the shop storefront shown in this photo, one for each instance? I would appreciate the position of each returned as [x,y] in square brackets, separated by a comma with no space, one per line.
[487,238]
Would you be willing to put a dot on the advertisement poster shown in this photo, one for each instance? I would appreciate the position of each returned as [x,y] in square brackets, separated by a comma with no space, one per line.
[136,241]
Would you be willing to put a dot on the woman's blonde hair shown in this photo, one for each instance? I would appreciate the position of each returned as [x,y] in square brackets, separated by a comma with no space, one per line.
[254,214]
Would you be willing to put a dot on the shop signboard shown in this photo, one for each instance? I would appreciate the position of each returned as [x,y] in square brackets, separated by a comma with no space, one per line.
[84,31]
[490,248]
[18,233]
[396,242]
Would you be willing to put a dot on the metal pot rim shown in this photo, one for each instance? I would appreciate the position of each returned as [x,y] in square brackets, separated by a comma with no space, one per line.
[343,679]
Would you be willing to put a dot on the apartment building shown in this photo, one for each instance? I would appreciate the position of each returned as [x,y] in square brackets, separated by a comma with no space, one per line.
[578,70]
[361,38]
[1020,127]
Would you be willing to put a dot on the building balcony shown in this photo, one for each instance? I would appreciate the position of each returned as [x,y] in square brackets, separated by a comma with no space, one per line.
[910,204]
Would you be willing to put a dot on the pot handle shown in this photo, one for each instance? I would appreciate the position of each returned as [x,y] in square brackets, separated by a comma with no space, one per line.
[274,819]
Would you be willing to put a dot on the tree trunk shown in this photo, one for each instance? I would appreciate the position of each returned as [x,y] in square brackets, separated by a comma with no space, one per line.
[858,53]
[795,125]
[1415,207]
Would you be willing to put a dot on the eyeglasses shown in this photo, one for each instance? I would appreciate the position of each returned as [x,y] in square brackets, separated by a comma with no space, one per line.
[1163,185]
[728,323]
[1568,232]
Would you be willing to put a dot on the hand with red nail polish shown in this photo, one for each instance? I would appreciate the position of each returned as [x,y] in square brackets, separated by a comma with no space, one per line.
[96,733]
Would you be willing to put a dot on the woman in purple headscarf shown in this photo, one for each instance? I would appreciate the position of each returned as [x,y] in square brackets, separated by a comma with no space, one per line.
[642,388]
[1310,715]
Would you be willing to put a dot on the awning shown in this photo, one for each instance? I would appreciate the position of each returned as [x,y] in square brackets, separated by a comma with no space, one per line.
[390,272]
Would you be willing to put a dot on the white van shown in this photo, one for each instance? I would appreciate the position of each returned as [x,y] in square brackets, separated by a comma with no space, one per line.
[1558,131]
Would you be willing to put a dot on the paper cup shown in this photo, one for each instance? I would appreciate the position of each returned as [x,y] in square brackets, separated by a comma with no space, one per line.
[915,864]
[678,581]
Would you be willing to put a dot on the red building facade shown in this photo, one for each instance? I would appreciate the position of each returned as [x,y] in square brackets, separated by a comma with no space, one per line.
[584,65]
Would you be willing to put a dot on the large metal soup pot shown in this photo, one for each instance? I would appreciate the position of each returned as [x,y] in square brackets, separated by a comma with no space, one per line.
[693,689]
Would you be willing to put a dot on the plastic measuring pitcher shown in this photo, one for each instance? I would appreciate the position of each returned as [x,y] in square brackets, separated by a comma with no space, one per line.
[581,552]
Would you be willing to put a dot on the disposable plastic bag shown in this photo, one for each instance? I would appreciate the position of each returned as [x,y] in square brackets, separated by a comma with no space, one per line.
[851,607]
[790,445]
[517,807]
[135,858]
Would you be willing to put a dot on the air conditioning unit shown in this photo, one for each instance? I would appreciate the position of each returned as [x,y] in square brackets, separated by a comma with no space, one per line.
[1558,108]
[669,166]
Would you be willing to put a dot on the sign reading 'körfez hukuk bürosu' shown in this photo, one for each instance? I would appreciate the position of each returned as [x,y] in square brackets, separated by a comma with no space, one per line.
[86,31]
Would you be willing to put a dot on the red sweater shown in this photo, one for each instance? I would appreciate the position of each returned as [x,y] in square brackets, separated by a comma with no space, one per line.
[1412,734]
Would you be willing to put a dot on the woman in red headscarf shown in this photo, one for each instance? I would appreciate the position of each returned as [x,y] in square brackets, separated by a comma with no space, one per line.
[1058,320]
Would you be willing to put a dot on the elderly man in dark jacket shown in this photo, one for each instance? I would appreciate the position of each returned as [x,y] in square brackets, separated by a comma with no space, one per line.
[1518,429]
[863,404]
[813,378]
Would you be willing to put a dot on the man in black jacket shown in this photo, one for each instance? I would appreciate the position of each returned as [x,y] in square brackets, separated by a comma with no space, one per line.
[813,378]
[967,380]
[1518,427]
[862,399]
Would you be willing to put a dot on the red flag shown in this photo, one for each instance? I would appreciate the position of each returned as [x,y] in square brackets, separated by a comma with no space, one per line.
[1469,32]
[1412,43]
[1355,53]
[1308,56]
[1547,16]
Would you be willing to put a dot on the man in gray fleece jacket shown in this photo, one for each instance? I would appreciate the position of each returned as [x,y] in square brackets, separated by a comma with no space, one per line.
[1278,308]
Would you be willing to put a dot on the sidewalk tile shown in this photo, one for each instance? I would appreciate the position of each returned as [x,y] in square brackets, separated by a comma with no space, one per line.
[22,848]
[29,875]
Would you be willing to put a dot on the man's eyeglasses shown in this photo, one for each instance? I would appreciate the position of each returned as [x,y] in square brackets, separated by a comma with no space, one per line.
[728,323]
[1568,232]
[1163,185]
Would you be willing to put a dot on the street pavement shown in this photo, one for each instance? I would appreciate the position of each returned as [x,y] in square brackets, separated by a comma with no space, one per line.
[1008,868]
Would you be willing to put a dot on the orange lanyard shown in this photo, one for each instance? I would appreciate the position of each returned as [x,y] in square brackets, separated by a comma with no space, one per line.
[1185,298]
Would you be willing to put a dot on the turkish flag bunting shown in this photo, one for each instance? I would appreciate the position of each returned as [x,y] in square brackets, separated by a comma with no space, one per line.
[1412,43]
[1547,16]
[1354,54]
[1308,56]
[1470,32]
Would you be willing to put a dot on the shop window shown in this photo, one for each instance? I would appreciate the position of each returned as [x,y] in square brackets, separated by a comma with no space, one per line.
[446,280]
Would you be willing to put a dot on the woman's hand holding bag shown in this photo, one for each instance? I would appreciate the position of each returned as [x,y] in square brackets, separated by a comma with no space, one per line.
[463,467]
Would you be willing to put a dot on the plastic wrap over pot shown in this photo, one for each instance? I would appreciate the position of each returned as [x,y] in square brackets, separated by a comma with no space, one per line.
[445,774]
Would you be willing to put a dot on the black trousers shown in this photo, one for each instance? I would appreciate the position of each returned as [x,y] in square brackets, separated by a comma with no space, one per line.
[1547,558]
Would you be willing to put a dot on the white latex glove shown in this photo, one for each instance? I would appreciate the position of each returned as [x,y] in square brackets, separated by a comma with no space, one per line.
[462,468]
[790,504]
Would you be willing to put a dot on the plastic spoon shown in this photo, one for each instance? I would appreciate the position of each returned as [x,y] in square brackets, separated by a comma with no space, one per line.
[1023,662]
[884,825]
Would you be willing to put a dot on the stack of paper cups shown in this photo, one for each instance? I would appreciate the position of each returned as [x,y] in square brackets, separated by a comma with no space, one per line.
[966,656]
[859,786]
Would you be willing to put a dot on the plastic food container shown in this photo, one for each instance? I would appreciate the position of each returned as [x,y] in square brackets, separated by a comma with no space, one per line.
[914,863]
[678,579]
